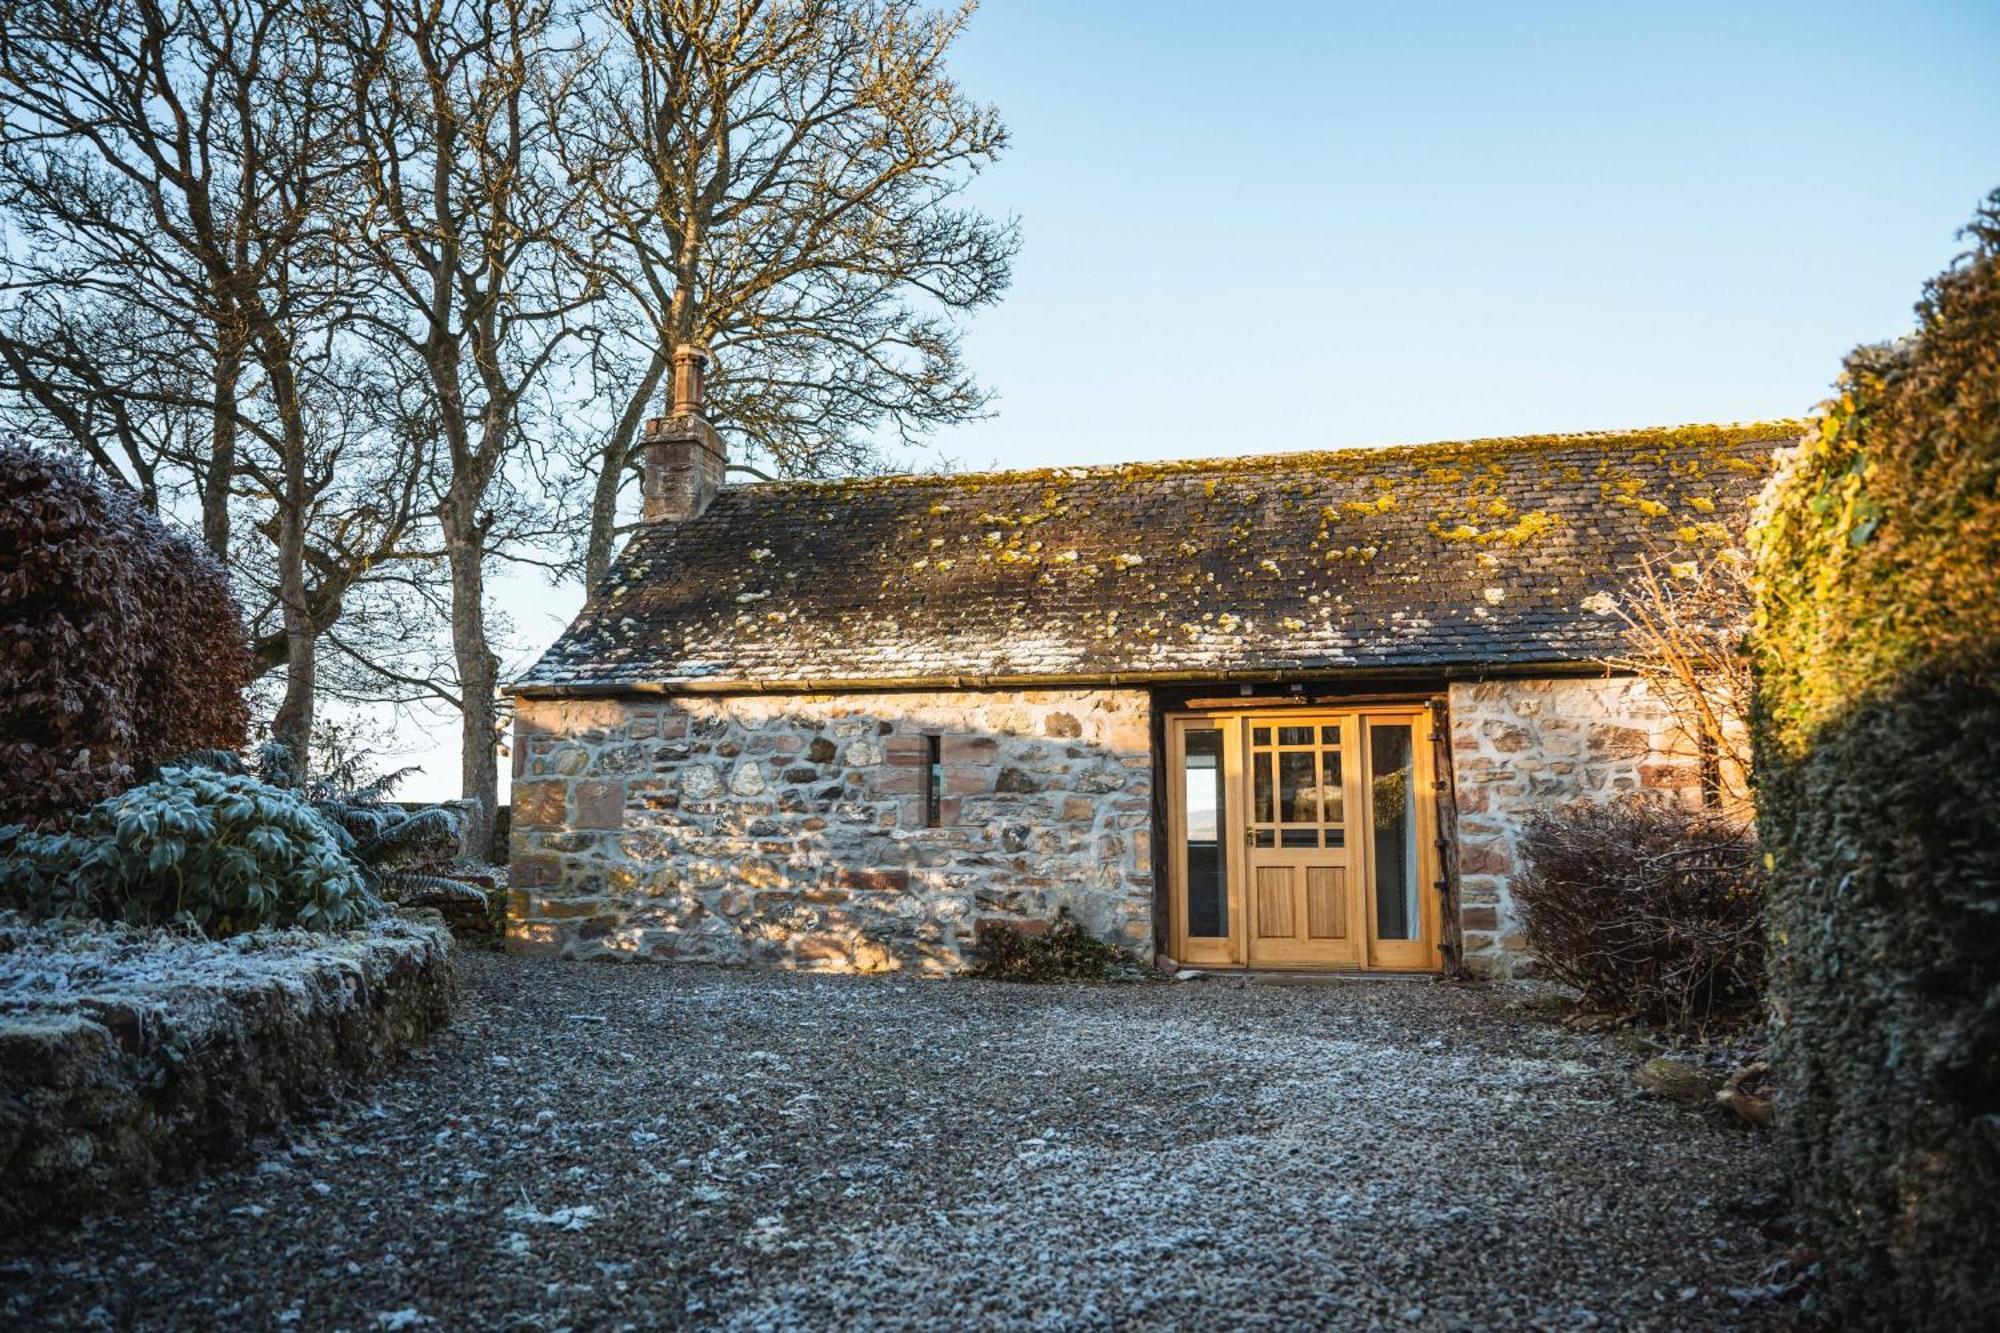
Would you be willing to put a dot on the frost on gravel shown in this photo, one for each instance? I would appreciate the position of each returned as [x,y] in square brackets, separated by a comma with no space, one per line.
[756,1150]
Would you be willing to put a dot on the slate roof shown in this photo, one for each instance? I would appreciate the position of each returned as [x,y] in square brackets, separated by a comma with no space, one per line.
[1490,554]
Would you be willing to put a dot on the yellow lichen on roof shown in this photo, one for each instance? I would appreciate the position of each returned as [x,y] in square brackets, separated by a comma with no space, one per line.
[1330,558]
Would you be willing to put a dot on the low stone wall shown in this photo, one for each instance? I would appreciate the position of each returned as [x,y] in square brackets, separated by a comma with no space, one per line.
[1519,747]
[127,1056]
[790,830]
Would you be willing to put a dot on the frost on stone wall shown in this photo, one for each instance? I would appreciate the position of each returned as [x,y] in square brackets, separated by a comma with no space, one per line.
[127,1054]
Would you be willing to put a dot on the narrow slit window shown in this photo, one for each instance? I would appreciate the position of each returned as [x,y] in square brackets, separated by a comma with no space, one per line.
[933,781]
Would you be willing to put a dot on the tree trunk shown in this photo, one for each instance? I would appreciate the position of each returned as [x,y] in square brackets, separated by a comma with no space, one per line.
[478,668]
[222,455]
[294,722]
[611,473]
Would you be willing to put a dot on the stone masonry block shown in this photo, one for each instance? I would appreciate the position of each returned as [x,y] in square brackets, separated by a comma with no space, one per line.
[600,804]
[1586,738]
[538,804]
[766,828]
[956,751]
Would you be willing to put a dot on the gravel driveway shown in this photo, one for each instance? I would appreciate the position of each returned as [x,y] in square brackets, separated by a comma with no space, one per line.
[596,1147]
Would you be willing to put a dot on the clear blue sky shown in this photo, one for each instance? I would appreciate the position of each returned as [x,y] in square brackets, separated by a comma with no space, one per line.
[1285,225]
[1264,226]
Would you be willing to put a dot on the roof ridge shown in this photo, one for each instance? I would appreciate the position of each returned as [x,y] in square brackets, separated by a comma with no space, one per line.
[1730,433]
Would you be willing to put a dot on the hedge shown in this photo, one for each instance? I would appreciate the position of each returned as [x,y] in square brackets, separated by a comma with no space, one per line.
[1877,731]
[120,646]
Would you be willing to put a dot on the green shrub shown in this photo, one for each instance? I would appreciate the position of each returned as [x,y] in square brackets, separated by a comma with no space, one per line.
[120,646]
[220,851]
[1646,908]
[1877,731]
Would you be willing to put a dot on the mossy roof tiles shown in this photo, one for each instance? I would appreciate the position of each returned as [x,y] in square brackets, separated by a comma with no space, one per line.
[1494,553]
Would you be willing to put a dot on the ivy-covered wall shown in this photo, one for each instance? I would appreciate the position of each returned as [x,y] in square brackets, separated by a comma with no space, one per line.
[1878,756]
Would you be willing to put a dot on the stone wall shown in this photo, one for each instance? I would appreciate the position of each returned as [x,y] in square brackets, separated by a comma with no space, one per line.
[1522,746]
[790,829]
[130,1055]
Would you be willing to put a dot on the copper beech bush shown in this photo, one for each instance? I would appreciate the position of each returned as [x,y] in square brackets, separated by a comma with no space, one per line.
[120,646]
[1647,908]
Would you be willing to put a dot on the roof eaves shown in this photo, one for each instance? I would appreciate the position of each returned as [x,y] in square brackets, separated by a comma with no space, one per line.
[1522,665]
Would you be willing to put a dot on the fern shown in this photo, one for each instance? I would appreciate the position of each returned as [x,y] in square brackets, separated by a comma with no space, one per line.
[415,839]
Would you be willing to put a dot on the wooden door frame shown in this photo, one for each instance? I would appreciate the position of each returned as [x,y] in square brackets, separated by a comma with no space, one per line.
[1424,954]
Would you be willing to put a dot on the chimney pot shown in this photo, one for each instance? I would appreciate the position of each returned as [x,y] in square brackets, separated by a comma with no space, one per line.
[690,369]
[684,458]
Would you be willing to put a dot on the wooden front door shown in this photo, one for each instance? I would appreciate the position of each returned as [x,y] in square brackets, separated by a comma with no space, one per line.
[1302,784]
[1303,838]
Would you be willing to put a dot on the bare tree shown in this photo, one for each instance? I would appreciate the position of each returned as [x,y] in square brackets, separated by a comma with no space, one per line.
[174,173]
[110,381]
[471,232]
[782,182]
[1687,625]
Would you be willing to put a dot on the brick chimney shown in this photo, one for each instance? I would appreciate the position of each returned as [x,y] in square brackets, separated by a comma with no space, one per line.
[684,458]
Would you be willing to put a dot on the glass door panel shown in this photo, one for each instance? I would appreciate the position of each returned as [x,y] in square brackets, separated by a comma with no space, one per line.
[1205,822]
[1392,796]
[1296,798]
[1206,869]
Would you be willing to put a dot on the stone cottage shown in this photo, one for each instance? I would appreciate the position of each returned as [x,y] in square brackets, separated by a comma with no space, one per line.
[1279,710]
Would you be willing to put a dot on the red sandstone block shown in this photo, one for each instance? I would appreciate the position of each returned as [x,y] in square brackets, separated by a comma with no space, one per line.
[969,750]
[600,804]
[1479,918]
[908,750]
[528,872]
[538,805]
[967,781]
[895,779]
[883,881]
[1484,858]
